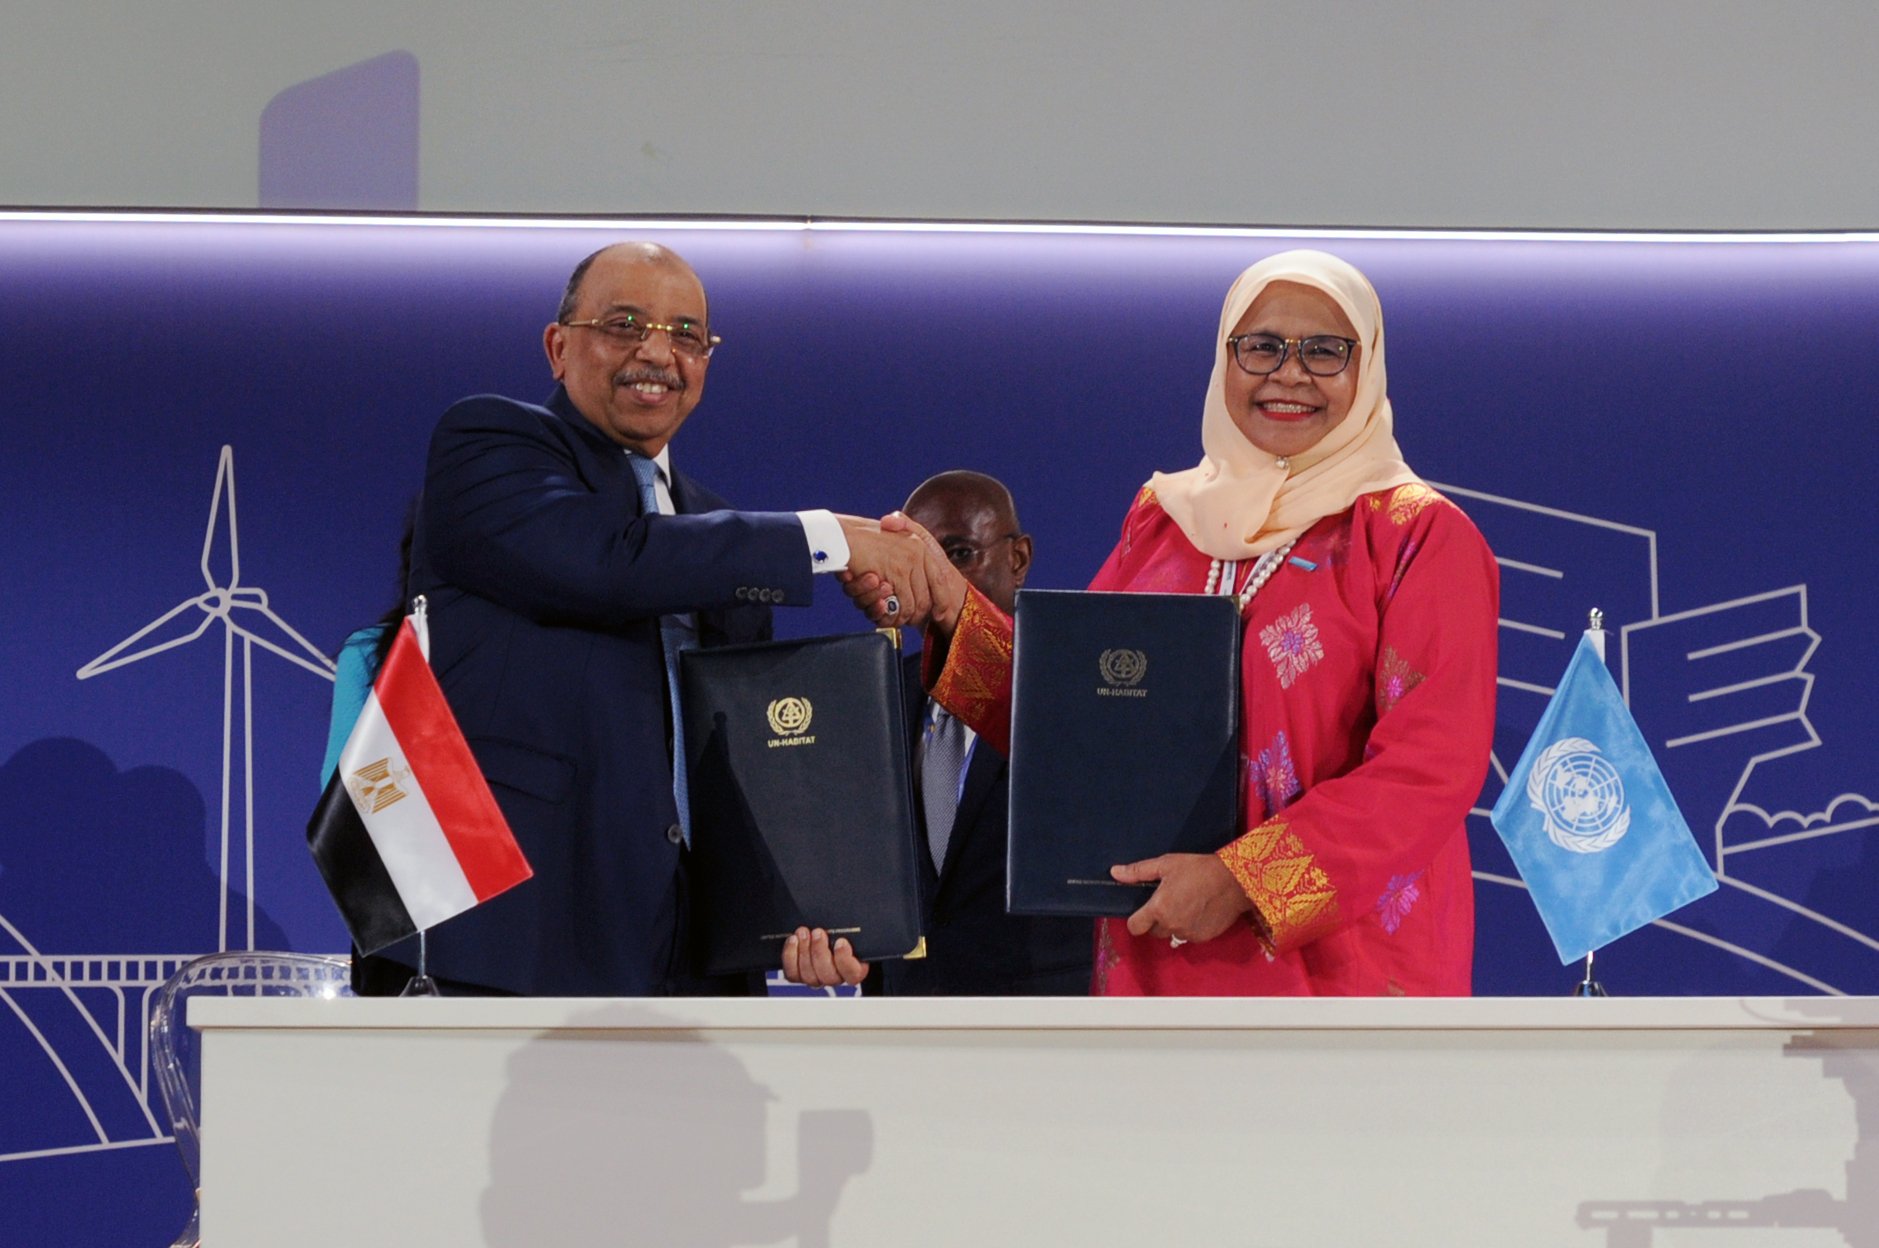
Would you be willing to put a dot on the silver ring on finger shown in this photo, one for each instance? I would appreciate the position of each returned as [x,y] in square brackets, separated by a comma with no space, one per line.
[892,604]
[1175,942]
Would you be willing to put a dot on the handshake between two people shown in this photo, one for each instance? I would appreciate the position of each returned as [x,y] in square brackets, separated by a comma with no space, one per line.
[898,575]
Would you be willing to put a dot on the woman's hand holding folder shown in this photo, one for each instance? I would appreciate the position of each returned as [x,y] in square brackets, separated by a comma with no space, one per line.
[1196,898]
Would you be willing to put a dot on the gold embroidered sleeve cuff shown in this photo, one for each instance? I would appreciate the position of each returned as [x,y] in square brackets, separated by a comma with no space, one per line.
[975,683]
[1294,898]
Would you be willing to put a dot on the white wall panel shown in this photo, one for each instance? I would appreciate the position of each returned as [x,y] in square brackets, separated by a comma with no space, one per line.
[1679,114]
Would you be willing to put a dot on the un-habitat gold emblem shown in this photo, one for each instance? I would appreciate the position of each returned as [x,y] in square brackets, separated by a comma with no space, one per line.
[1122,672]
[789,720]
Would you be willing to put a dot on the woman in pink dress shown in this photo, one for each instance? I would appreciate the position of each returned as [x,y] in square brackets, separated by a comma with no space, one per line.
[1370,606]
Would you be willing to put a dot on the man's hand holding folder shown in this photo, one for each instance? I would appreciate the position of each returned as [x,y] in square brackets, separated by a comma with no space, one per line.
[809,959]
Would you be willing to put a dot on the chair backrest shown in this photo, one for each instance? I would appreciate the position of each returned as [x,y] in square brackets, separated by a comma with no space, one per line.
[174,1055]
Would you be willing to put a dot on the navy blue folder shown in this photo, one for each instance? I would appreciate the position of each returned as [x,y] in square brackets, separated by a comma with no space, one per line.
[801,799]
[1124,741]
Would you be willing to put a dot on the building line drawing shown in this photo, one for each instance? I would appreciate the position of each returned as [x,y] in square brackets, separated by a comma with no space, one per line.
[1865,810]
[1649,536]
[1772,818]
[1832,925]
[1727,946]
[240,609]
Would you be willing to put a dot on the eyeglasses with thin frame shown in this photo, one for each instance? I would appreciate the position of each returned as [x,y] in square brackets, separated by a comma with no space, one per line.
[1322,355]
[688,337]
[963,554]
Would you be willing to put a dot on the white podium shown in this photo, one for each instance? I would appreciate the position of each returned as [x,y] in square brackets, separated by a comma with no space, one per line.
[1137,1124]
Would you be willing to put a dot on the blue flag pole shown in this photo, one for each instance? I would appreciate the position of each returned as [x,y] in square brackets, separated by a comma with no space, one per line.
[1594,629]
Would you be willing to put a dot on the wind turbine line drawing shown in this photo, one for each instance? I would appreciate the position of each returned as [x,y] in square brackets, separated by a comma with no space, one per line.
[241,610]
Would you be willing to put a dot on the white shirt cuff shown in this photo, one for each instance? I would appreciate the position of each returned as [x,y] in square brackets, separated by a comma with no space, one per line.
[828,547]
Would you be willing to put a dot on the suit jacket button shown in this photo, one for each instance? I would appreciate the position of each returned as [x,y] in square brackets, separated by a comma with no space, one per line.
[764,595]
[675,834]
[743,592]
[776,596]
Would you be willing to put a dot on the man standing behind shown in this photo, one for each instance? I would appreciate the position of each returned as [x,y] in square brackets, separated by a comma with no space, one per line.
[565,560]
[974,948]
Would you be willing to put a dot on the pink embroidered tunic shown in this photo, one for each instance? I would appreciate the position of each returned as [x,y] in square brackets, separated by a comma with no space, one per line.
[1368,682]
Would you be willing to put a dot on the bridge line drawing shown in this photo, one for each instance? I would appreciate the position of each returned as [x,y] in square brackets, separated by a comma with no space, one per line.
[63,979]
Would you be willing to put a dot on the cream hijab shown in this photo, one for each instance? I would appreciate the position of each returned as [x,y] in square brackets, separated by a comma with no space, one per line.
[1238,502]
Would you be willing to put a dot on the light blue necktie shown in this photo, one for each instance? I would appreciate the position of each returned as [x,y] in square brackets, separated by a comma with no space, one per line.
[672,635]
[940,765]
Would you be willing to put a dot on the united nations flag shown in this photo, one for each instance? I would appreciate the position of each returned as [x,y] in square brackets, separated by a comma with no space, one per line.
[1590,822]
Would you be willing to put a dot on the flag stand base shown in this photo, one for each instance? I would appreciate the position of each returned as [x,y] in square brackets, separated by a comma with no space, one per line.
[425,986]
[1587,987]
[422,985]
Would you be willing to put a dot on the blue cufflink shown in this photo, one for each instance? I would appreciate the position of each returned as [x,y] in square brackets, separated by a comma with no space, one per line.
[821,556]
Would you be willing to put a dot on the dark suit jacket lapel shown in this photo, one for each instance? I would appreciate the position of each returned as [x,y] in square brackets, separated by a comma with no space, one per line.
[713,629]
[982,775]
[602,461]
[684,494]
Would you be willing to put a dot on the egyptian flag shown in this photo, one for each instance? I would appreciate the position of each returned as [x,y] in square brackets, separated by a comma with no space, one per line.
[407,833]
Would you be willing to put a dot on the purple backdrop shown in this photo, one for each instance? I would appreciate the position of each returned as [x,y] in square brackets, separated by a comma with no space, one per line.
[1680,432]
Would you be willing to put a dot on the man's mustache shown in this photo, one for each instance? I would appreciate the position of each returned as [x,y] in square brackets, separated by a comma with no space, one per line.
[632,376]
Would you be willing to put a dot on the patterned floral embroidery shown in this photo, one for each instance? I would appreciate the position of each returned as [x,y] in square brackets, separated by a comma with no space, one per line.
[1291,892]
[1394,679]
[1292,644]
[1255,802]
[1399,897]
[1405,502]
[978,665]
[1271,776]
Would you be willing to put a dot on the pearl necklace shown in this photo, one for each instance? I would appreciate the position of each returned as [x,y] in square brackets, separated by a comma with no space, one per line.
[1220,575]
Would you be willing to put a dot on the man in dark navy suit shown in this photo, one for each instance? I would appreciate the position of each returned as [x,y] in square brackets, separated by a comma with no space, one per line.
[565,561]
[974,948]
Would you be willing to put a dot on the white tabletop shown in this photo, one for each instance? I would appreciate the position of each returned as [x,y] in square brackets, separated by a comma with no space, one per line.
[1077,1014]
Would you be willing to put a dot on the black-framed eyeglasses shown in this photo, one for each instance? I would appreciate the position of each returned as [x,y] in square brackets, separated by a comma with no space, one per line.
[964,554]
[688,337]
[1322,355]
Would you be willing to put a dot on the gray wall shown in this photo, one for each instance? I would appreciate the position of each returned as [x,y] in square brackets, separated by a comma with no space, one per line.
[1656,114]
